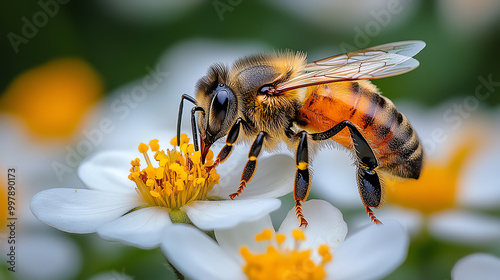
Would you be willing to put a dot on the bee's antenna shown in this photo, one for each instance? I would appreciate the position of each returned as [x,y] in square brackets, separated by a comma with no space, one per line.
[179,118]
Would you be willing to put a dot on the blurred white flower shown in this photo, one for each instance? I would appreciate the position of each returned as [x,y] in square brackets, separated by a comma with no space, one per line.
[457,180]
[118,209]
[476,266]
[371,253]
[42,110]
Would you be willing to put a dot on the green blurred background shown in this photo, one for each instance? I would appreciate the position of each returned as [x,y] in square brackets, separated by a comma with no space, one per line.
[119,39]
[119,44]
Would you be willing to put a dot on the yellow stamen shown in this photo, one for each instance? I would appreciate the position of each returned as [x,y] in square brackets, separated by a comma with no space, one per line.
[283,263]
[154,145]
[436,189]
[266,234]
[178,179]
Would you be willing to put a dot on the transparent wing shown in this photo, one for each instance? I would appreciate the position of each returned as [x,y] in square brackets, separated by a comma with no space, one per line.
[372,63]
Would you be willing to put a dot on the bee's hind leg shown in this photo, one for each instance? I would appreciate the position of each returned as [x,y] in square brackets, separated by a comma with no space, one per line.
[368,180]
[302,177]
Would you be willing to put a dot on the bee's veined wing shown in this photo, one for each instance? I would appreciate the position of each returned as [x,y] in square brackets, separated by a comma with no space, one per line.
[372,63]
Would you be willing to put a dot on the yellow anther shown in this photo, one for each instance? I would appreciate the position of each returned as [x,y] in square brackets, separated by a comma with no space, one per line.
[150,172]
[163,162]
[200,181]
[175,167]
[135,162]
[143,148]
[196,157]
[266,234]
[298,235]
[150,183]
[324,252]
[154,194]
[159,173]
[173,142]
[154,145]
[184,138]
[280,238]
[184,147]
[190,148]
[160,155]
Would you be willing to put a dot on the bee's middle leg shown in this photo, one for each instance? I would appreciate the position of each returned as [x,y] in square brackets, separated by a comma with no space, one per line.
[251,165]
[302,177]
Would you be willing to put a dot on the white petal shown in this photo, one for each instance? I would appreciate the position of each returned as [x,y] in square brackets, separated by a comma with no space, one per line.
[465,227]
[410,219]
[80,211]
[108,171]
[141,228]
[326,225]
[335,178]
[197,256]
[479,189]
[231,240]
[274,177]
[209,215]
[373,252]
[476,266]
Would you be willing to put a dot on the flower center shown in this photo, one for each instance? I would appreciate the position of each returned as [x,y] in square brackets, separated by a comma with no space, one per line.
[284,263]
[179,178]
[435,190]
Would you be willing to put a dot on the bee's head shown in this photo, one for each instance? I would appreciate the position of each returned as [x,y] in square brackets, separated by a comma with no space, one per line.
[219,107]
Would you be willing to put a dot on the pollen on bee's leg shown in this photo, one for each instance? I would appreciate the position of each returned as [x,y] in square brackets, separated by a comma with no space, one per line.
[372,216]
[300,215]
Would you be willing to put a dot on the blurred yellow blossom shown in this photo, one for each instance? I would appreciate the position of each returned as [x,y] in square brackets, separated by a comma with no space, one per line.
[52,98]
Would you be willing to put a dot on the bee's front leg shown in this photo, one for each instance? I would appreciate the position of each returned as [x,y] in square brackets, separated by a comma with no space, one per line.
[251,165]
[231,138]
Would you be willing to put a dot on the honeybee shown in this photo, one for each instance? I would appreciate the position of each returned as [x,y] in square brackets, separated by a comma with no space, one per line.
[279,97]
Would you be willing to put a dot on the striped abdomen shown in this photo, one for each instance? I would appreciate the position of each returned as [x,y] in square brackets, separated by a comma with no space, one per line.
[388,132]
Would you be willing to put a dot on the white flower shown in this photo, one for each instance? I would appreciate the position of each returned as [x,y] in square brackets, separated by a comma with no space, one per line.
[371,253]
[118,209]
[476,266]
[458,179]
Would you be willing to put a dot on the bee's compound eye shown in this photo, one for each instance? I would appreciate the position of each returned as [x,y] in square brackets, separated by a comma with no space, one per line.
[218,111]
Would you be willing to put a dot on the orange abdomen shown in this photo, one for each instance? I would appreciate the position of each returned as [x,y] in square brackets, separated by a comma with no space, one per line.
[388,132]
